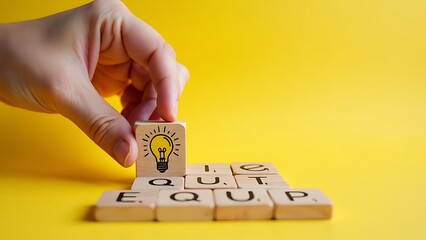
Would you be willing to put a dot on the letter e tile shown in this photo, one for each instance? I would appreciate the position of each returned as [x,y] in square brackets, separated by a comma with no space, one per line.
[253,168]
[126,205]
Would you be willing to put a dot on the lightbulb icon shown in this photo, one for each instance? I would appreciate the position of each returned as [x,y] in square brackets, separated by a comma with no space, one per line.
[161,145]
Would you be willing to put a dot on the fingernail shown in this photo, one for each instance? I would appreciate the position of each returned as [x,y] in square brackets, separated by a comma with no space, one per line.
[121,152]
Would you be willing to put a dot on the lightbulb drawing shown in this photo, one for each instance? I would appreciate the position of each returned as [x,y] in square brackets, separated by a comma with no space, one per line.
[161,146]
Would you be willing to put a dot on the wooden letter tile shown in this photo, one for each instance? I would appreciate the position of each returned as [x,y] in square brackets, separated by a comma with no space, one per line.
[260,181]
[158,183]
[300,203]
[253,168]
[243,204]
[202,169]
[162,149]
[126,205]
[209,181]
[185,205]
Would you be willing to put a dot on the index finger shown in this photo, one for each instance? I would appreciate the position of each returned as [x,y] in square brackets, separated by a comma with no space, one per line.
[147,48]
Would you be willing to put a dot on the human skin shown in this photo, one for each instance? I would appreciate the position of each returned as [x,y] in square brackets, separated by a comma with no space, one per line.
[66,63]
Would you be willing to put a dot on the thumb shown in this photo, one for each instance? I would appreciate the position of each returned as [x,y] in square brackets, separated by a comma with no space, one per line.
[102,123]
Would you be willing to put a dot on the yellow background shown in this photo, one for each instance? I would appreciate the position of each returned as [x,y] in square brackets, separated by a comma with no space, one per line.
[332,92]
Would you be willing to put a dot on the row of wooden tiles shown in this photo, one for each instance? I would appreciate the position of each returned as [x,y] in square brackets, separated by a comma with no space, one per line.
[219,204]
[240,168]
[217,176]
[212,181]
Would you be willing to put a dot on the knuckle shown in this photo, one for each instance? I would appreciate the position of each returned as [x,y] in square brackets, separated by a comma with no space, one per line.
[162,48]
[100,126]
[168,48]
[103,6]
[56,86]
[56,91]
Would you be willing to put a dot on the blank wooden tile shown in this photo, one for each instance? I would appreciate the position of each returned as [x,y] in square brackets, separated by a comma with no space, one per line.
[210,182]
[300,204]
[126,205]
[253,168]
[260,181]
[158,183]
[202,169]
[162,149]
[185,205]
[242,204]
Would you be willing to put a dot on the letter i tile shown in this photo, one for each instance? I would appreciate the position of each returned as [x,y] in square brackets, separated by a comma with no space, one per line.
[203,169]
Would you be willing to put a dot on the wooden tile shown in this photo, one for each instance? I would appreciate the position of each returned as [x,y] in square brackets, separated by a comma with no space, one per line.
[260,181]
[242,204]
[126,205]
[158,183]
[254,168]
[300,204]
[185,205]
[162,149]
[202,169]
[210,182]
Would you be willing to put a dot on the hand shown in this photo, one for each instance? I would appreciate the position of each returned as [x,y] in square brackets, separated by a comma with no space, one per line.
[66,63]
